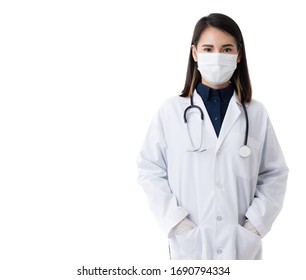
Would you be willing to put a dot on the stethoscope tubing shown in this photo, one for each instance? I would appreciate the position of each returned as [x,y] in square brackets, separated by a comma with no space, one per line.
[192,106]
[202,118]
[247,125]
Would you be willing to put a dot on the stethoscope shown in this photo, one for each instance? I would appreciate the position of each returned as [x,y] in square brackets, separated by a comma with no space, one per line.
[244,150]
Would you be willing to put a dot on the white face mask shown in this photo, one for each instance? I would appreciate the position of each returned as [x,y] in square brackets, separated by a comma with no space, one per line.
[217,68]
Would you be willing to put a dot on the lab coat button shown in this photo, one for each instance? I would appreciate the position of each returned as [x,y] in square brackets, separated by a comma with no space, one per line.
[219,251]
[219,186]
[219,218]
[219,152]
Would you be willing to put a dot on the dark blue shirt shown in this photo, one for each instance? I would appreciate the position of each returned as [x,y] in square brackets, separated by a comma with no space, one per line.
[216,102]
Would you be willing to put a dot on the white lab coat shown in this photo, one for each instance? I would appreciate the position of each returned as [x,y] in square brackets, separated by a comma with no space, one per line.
[216,189]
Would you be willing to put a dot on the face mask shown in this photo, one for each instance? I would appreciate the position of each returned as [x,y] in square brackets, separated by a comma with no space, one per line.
[217,68]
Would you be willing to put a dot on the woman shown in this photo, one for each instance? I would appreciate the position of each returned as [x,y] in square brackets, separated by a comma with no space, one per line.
[215,185]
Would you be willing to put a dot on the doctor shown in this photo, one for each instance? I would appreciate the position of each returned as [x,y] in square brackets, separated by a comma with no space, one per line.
[211,165]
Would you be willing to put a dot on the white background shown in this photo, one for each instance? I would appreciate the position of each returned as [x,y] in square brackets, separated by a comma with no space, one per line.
[79,84]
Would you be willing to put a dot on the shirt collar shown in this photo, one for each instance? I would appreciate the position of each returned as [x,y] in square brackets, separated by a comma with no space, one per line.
[206,92]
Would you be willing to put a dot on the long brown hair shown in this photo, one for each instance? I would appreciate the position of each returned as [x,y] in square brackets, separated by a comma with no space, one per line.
[240,79]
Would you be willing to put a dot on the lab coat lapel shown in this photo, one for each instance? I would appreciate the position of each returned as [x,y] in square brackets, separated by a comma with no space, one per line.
[232,114]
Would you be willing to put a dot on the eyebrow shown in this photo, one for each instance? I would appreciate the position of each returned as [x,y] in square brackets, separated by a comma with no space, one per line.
[223,46]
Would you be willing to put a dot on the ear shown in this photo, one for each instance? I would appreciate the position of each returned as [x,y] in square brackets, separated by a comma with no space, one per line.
[239,57]
[194,53]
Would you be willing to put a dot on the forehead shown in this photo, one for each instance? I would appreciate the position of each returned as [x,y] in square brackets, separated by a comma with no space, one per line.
[215,36]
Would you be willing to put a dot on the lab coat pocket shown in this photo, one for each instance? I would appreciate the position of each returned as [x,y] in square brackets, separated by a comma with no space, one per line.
[186,246]
[248,245]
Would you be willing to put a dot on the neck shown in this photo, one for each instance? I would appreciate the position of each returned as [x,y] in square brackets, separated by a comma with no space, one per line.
[224,85]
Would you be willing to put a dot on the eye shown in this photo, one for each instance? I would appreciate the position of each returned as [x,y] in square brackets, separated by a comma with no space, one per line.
[227,50]
[207,50]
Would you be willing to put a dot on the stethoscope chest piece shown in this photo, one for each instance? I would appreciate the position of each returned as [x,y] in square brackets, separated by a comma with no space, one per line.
[244,151]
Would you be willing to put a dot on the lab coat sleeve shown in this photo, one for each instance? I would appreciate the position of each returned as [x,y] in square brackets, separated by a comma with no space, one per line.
[153,177]
[271,184]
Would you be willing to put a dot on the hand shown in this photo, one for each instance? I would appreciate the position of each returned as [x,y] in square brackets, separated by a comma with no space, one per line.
[249,226]
[183,226]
